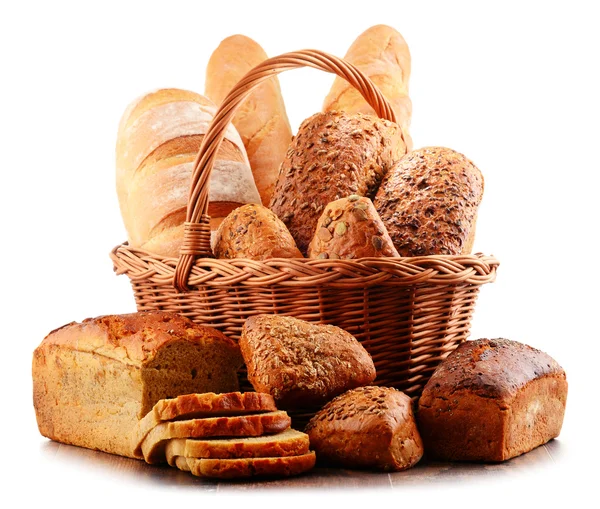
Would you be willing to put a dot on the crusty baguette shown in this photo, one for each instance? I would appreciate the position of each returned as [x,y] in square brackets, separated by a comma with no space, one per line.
[368,427]
[492,400]
[261,120]
[382,54]
[196,406]
[302,364]
[153,446]
[429,201]
[253,231]
[284,466]
[93,381]
[157,143]
[333,155]
[350,228]
[287,443]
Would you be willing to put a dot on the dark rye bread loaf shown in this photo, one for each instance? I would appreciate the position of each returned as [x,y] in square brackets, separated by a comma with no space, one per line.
[334,155]
[368,427]
[428,202]
[491,400]
[302,364]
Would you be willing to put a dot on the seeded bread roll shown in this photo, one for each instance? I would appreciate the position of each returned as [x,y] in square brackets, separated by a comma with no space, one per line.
[491,400]
[350,228]
[368,427]
[382,54]
[253,231]
[334,154]
[93,381]
[428,202]
[302,364]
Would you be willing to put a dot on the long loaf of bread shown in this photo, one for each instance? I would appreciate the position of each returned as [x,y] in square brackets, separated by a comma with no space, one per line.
[158,140]
[382,54]
[261,120]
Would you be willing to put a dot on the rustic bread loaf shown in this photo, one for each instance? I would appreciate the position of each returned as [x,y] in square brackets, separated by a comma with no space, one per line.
[333,155]
[428,202]
[491,400]
[350,228]
[261,119]
[197,406]
[382,54]
[368,427]
[284,466]
[253,231]
[157,143]
[287,443]
[302,364]
[93,381]
[153,446]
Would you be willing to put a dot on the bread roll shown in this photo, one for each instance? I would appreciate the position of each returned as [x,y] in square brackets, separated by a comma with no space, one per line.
[382,54]
[261,119]
[254,232]
[491,400]
[368,427]
[428,202]
[302,364]
[158,140]
[93,381]
[333,155]
[350,228]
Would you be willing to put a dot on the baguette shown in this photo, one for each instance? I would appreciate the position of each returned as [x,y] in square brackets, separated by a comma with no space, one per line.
[158,140]
[261,119]
[382,54]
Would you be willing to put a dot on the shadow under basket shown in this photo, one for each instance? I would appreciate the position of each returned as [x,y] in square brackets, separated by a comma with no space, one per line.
[409,313]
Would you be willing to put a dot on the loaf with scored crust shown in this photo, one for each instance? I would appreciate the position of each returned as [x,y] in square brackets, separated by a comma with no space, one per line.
[491,400]
[93,381]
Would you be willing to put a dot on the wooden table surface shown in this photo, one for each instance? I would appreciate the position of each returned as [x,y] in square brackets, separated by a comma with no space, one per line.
[425,473]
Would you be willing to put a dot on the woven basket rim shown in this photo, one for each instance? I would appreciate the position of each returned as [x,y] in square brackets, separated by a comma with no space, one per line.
[141,265]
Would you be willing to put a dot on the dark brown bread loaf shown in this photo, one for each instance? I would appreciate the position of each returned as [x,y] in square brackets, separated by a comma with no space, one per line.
[368,427]
[491,400]
[302,364]
[428,202]
[253,231]
[334,154]
[350,228]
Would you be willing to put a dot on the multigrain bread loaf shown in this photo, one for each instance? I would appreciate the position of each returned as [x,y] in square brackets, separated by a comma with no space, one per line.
[368,427]
[154,444]
[428,202]
[196,406]
[253,231]
[261,119]
[333,155]
[287,443]
[157,143]
[491,400]
[382,54]
[93,381]
[302,364]
[350,228]
[284,466]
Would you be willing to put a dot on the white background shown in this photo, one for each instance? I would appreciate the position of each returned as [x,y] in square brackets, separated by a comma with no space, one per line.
[512,85]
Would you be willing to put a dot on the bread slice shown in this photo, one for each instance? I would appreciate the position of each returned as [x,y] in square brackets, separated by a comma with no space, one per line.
[153,446]
[196,406]
[248,467]
[287,443]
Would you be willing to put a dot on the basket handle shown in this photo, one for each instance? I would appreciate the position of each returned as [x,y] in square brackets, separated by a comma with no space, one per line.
[196,239]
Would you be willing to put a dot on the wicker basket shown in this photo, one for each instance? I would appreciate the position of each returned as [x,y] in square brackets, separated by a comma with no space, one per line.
[409,313]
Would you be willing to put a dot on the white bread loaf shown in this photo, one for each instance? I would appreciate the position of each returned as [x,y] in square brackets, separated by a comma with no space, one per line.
[157,143]
[261,119]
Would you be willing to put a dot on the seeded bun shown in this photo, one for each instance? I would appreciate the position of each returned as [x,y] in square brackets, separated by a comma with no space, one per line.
[350,228]
[334,154]
[368,427]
